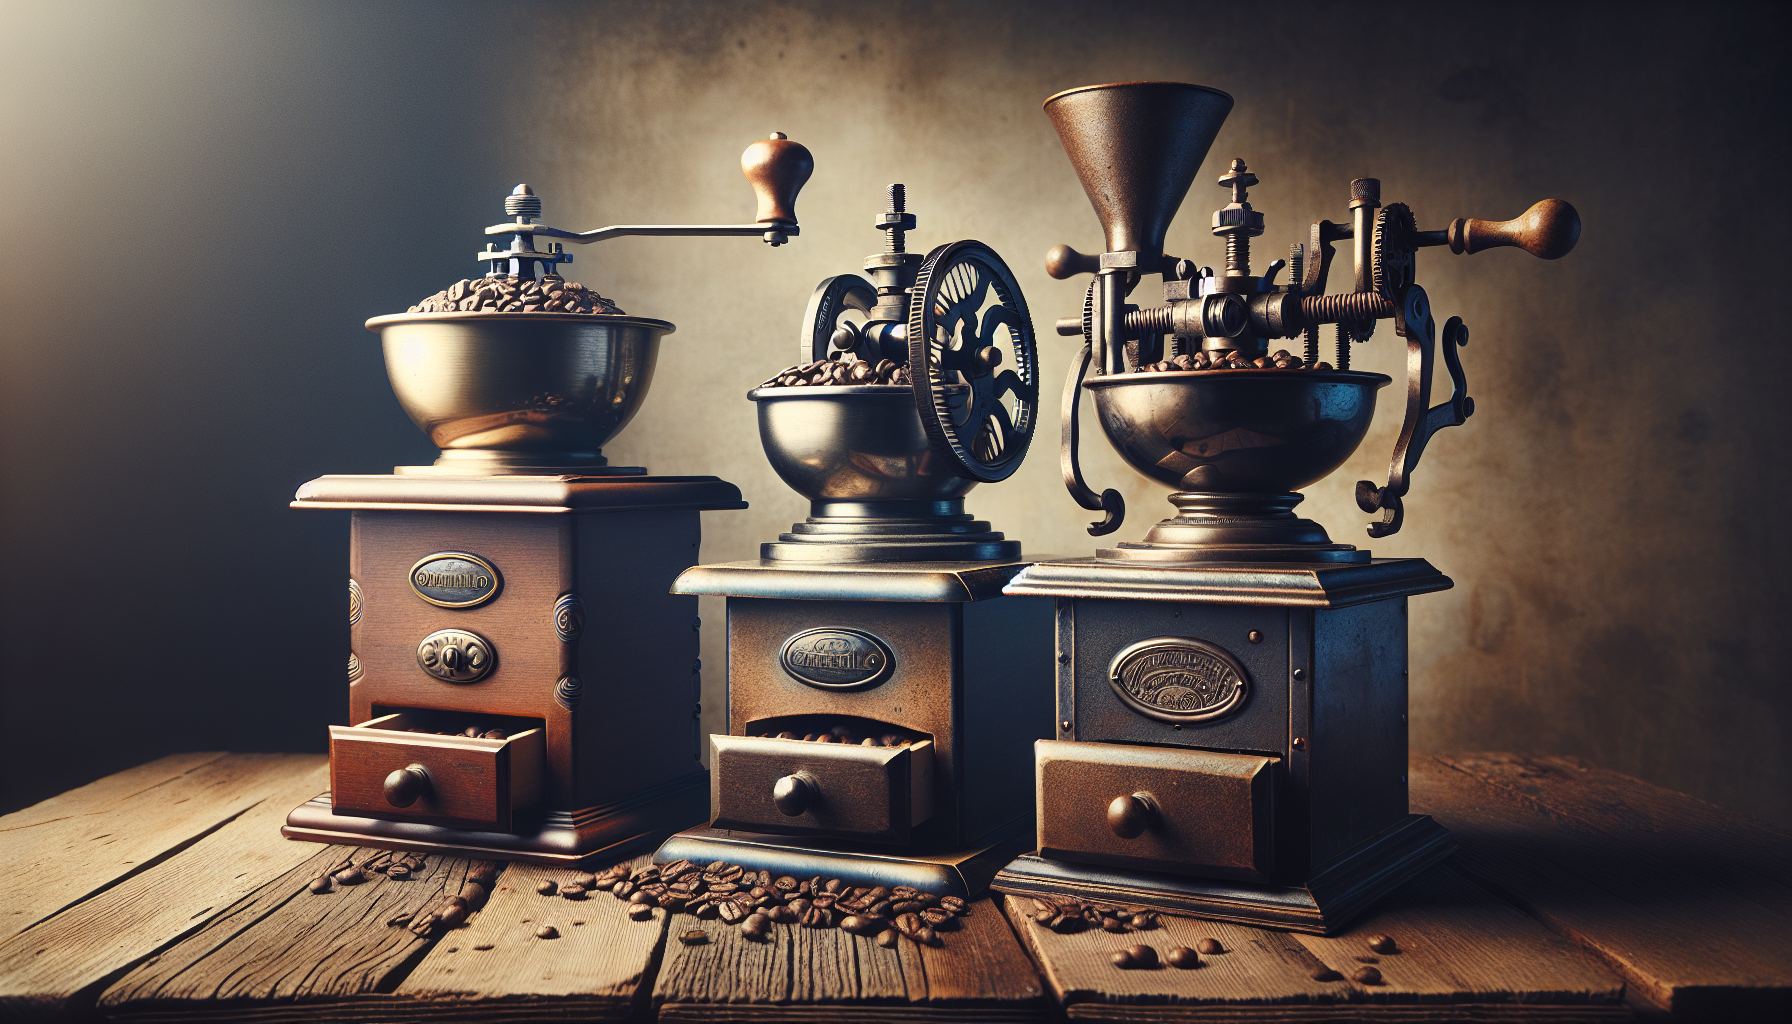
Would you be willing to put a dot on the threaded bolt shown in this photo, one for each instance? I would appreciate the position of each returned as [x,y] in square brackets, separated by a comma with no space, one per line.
[523,204]
[1343,348]
[895,240]
[1297,264]
[1238,255]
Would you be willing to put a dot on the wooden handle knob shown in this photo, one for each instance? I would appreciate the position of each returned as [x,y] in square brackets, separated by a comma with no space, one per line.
[777,168]
[1130,816]
[794,794]
[1547,230]
[1062,262]
[405,785]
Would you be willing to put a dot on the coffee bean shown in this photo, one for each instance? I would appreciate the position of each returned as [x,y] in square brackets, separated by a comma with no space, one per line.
[677,869]
[547,887]
[824,899]
[1142,922]
[783,915]
[453,917]
[1383,944]
[623,889]
[319,885]
[349,876]
[424,924]
[912,906]
[856,925]
[818,917]
[926,937]
[800,904]
[1043,906]
[1366,976]
[547,931]
[708,912]
[401,919]
[909,924]
[1210,946]
[475,893]
[879,909]
[938,917]
[1066,924]
[756,926]
[640,912]
[785,884]
[1121,959]
[1323,973]
[573,891]
[1182,957]
[887,938]
[644,898]
[954,904]
[1112,924]
[484,946]
[731,911]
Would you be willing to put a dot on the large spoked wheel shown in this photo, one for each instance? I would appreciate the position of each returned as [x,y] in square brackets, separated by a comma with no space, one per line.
[968,325]
[829,327]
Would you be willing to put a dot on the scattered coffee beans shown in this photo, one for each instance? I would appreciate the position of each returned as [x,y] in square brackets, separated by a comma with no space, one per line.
[484,946]
[1323,973]
[349,876]
[547,931]
[1183,957]
[502,294]
[694,938]
[843,734]
[1210,946]
[640,912]
[1383,944]
[1366,976]
[547,888]
[756,926]
[1067,916]
[319,885]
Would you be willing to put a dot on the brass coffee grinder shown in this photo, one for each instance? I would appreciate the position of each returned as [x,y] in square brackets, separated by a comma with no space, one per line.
[521,684]
[882,693]
[1232,692]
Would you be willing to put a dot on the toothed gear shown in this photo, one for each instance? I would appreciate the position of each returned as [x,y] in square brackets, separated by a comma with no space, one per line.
[1396,239]
[1089,317]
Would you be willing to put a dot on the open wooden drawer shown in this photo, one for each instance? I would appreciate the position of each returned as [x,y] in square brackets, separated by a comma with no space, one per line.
[380,770]
[797,787]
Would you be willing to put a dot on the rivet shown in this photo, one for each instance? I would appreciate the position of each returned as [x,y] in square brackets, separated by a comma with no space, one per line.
[1300,673]
[1063,659]
[1256,636]
[1067,725]
[1300,743]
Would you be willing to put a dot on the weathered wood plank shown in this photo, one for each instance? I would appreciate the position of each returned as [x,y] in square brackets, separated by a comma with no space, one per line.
[1463,956]
[978,973]
[597,969]
[116,826]
[48,971]
[1685,942]
[285,953]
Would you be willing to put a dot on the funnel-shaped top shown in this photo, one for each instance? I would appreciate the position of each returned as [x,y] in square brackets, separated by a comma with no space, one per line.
[1136,146]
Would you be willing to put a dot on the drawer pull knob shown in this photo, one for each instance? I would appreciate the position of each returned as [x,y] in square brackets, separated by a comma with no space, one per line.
[1130,816]
[794,794]
[405,785]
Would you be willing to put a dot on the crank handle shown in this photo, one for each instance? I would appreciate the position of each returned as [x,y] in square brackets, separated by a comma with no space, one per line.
[1548,230]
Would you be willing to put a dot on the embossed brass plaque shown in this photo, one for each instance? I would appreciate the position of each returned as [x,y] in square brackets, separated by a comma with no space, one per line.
[456,656]
[454,579]
[1179,679]
[837,659]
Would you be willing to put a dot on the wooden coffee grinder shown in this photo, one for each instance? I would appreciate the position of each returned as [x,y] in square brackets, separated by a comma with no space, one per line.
[1232,691]
[882,693]
[521,683]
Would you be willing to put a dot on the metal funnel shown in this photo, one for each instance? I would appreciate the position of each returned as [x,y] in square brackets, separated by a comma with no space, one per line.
[1136,147]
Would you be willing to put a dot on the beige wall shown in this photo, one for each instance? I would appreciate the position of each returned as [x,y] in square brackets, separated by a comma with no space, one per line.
[236,187]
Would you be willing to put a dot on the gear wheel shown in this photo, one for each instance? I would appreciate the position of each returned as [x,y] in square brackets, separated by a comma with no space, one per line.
[1396,239]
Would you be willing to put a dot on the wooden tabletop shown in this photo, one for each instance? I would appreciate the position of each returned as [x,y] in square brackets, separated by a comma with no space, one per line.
[166,893]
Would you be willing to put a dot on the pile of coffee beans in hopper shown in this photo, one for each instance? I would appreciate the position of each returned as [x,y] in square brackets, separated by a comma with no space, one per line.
[1281,359]
[501,294]
[839,373]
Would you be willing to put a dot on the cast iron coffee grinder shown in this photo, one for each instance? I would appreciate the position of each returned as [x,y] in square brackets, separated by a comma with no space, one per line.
[882,693]
[521,684]
[1231,735]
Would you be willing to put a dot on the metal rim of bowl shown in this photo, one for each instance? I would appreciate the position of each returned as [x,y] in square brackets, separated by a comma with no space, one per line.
[837,390]
[390,319]
[1256,373]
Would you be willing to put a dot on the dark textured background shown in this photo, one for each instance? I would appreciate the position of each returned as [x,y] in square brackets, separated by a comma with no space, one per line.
[203,202]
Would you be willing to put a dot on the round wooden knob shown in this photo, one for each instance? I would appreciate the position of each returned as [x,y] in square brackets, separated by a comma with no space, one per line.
[1130,816]
[794,794]
[1062,263]
[777,168]
[1547,230]
[405,785]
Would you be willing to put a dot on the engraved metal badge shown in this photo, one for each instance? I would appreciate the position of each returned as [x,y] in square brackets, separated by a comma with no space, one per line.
[354,601]
[456,655]
[454,579]
[569,618]
[837,659]
[568,692]
[1179,679]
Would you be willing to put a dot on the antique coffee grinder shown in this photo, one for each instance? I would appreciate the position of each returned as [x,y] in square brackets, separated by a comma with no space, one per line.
[521,684]
[1232,691]
[882,693]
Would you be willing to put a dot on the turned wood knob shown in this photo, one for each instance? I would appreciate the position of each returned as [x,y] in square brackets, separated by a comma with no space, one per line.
[777,168]
[1547,230]
[405,785]
[1130,816]
[794,794]
[1062,263]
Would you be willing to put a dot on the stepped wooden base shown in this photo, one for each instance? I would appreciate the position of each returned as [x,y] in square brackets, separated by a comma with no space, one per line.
[604,834]
[964,872]
[1343,890]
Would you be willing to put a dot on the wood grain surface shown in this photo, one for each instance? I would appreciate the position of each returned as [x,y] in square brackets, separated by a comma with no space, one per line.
[978,973]
[600,968]
[1648,880]
[1462,955]
[51,969]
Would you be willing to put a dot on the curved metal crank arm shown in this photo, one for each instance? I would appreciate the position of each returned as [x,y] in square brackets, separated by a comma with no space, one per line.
[1412,319]
[1108,502]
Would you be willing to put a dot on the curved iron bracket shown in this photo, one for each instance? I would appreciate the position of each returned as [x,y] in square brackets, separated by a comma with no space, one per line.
[1108,502]
[1412,319]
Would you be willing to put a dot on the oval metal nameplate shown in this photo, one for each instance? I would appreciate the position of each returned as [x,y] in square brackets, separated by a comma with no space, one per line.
[454,579]
[1178,679]
[837,659]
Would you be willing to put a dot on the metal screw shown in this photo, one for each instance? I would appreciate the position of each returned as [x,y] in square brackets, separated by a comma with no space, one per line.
[1067,725]
[894,240]
[1256,637]
[1300,743]
[1300,673]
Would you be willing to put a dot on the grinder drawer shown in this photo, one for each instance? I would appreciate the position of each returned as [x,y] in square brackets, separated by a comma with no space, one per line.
[379,770]
[1192,812]
[797,787]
